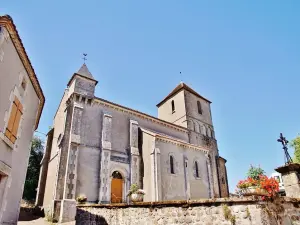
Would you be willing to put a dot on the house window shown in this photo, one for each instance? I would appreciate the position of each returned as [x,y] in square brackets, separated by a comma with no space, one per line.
[223,180]
[14,121]
[23,84]
[196,169]
[172,164]
[173,106]
[199,107]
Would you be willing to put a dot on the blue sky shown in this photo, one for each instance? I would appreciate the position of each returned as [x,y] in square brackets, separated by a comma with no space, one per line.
[242,55]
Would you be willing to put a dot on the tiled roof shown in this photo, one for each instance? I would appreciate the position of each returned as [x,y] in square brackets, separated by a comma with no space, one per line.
[84,71]
[7,22]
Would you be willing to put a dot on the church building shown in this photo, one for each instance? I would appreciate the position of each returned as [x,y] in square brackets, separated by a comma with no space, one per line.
[98,148]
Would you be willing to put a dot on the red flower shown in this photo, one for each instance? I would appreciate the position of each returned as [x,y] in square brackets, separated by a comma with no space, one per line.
[269,184]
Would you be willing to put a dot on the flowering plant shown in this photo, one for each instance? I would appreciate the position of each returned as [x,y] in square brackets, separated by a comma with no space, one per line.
[134,189]
[249,182]
[271,185]
[141,192]
[81,198]
[257,180]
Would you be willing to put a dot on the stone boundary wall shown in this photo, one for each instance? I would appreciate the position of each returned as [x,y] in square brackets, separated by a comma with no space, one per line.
[222,211]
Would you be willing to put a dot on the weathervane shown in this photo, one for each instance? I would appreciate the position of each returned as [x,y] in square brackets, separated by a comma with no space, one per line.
[181,77]
[84,57]
[284,143]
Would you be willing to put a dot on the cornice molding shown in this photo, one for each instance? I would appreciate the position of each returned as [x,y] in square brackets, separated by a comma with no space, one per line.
[139,114]
[177,142]
[180,143]
[8,24]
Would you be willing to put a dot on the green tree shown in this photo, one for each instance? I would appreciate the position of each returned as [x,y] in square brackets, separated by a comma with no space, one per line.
[295,143]
[33,170]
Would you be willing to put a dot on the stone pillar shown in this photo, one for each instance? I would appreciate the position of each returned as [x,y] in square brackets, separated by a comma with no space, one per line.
[209,176]
[214,175]
[158,175]
[291,179]
[71,176]
[152,176]
[155,176]
[67,210]
[186,177]
[71,173]
[135,159]
[44,169]
[104,176]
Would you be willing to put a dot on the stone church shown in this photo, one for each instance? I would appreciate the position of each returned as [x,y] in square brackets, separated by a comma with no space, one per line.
[98,148]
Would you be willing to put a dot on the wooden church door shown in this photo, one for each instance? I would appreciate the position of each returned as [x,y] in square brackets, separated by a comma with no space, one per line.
[116,187]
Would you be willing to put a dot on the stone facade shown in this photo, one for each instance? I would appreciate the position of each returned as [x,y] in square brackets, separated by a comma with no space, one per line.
[291,179]
[207,212]
[21,104]
[97,138]
[224,191]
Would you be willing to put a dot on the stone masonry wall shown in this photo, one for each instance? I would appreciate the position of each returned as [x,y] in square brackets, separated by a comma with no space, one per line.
[223,178]
[244,211]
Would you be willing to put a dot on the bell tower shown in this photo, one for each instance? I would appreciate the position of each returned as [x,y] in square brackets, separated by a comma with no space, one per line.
[186,108]
[82,83]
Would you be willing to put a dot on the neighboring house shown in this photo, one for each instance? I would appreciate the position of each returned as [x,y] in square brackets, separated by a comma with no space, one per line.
[278,177]
[99,148]
[21,104]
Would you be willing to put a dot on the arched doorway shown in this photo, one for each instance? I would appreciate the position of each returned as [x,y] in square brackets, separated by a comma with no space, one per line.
[116,187]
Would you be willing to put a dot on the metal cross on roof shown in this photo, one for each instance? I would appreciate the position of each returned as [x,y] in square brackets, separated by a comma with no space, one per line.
[284,143]
[84,57]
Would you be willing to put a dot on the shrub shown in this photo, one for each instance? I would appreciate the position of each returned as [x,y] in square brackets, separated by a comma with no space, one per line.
[134,189]
[81,199]
[255,172]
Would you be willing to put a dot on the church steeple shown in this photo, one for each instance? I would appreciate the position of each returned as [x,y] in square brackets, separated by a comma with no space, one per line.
[82,82]
[84,73]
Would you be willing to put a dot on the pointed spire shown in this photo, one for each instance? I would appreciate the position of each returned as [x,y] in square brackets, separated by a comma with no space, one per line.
[84,71]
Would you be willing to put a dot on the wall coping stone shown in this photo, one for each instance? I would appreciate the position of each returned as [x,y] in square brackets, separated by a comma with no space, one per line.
[288,168]
[188,203]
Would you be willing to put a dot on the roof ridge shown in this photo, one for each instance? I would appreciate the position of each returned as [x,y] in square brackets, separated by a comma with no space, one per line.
[175,126]
[84,71]
[178,88]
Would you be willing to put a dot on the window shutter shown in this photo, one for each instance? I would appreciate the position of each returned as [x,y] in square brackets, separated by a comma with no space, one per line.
[10,125]
[14,121]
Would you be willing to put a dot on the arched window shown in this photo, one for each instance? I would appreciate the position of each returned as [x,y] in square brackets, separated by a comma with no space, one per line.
[208,132]
[173,106]
[117,175]
[203,130]
[199,107]
[196,169]
[197,128]
[172,164]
